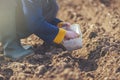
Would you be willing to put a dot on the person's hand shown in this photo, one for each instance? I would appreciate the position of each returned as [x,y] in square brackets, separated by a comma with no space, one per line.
[66,24]
[71,35]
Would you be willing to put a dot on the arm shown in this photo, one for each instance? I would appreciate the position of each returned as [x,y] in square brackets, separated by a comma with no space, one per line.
[60,24]
[55,21]
[37,24]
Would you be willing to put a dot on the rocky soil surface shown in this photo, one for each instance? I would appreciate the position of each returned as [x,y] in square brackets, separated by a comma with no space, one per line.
[98,59]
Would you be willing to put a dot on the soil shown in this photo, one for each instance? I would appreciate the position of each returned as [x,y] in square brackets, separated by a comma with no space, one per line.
[98,59]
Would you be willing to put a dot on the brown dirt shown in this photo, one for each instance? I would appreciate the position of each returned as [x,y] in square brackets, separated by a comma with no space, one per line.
[98,59]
